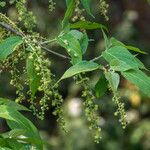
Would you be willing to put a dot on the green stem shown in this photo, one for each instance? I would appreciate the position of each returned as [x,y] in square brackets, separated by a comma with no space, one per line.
[96,58]
[48,41]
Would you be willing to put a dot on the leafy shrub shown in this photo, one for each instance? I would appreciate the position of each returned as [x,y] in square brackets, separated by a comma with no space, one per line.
[25,45]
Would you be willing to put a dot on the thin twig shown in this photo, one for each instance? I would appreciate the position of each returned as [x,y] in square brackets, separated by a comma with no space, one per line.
[9,28]
[48,41]
[55,53]
[96,58]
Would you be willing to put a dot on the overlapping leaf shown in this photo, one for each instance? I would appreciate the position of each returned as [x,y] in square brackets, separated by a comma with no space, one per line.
[14,105]
[72,45]
[12,144]
[120,58]
[23,123]
[16,120]
[115,42]
[82,38]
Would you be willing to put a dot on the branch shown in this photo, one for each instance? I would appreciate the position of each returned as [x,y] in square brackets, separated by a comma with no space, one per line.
[9,28]
[96,58]
[55,53]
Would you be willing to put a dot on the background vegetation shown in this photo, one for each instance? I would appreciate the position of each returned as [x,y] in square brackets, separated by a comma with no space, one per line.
[129,22]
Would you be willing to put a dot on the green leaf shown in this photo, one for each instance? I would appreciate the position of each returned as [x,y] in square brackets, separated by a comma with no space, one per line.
[7,143]
[120,58]
[77,34]
[84,42]
[113,79]
[101,86]
[140,79]
[87,4]
[83,66]
[15,145]
[68,2]
[135,49]
[8,46]
[87,25]
[82,38]
[4,148]
[14,105]
[7,112]
[72,45]
[33,141]
[115,42]
[23,123]
[32,73]
[19,143]
[16,120]
[69,12]
[106,40]
[3,142]
[16,132]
